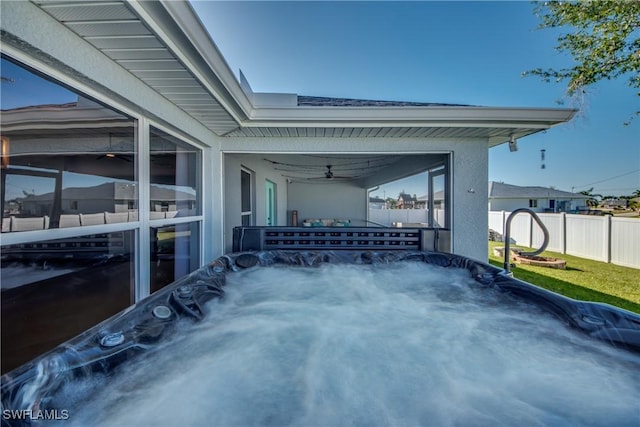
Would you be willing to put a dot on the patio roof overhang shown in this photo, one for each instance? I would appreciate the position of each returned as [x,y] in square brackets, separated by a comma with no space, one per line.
[496,125]
[165,45]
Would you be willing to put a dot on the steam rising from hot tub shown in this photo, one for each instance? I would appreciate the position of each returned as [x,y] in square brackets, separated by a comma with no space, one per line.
[390,344]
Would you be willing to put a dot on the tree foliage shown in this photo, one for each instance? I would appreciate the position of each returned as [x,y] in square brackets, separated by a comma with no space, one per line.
[391,203]
[603,38]
[593,199]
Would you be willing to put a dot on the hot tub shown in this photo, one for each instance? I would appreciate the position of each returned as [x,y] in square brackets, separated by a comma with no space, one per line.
[54,387]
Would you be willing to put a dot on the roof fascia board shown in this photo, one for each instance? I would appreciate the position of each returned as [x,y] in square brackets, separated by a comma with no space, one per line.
[430,114]
[349,123]
[176,24]
[395,117]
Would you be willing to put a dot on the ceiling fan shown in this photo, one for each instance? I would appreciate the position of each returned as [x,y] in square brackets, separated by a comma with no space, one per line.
[330,175]
[111,154]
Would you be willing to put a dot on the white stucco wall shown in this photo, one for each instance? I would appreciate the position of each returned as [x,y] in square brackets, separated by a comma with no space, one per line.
[233,164]
[330,201]
[470,173]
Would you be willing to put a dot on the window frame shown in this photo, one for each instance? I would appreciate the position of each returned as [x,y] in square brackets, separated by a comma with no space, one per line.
[143,225]
[47,72]
[251,212]
[271,203]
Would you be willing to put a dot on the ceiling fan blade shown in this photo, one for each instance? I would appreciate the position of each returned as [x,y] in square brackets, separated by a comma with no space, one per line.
[333,178]
[114,156]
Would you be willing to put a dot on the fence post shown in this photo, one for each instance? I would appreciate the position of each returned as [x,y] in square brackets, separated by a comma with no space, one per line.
[563,233]
[607,238]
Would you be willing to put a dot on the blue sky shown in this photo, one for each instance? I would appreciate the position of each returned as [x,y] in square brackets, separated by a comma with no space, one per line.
[450,52]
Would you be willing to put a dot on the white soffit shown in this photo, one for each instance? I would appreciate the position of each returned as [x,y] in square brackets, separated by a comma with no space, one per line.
[495,135]
[496,125]
[114,29]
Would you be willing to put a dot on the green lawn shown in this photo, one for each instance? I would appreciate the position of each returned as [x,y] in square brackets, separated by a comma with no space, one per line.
[583,279]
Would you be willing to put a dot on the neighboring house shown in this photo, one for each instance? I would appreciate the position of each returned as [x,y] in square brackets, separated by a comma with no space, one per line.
[377,203]
[108,197]
[507,197]
[438,201]
[615,203]
[421,203]
[407,201]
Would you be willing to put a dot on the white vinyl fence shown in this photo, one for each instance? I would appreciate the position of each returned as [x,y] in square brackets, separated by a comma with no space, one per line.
[602,238]
[390,216]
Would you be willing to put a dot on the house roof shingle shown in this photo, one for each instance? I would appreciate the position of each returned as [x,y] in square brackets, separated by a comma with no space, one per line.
[115,190]
[507,191]
[320,101]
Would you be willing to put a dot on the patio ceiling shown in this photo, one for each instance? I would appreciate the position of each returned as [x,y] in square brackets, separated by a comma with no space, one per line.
[361,170]
[165,45]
